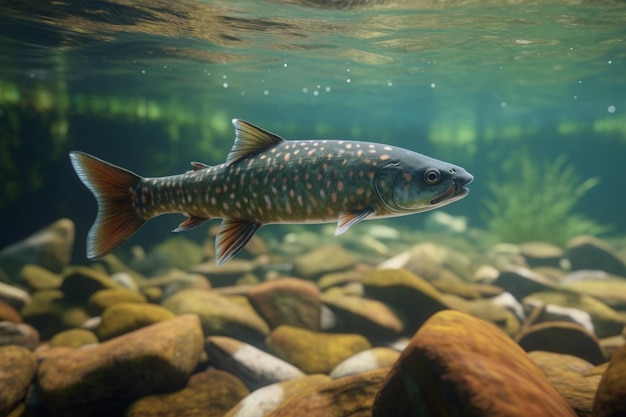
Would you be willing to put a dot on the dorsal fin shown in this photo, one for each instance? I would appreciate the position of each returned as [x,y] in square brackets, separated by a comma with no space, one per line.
[250,140]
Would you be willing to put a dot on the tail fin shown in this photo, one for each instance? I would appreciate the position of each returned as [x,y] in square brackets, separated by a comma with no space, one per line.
[117,218]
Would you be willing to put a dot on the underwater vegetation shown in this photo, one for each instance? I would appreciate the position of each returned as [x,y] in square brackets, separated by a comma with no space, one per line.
[537,202]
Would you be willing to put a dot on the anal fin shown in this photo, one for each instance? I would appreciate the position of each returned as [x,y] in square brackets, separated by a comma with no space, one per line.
[190,223]
[232,236]
[348,219]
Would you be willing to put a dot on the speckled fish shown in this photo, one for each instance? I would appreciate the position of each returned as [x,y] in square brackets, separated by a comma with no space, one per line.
[267,179]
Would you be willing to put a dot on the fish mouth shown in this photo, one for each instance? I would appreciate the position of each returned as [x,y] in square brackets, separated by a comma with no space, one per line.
[453,193]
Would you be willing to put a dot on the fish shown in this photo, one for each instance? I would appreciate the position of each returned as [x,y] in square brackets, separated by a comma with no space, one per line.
[267,179]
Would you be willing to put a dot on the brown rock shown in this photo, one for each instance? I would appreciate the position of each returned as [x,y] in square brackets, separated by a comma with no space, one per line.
[460,365]
[609,401]
[18,334]
[265,400]
[314,352]
[588,252]
[367,360]
[568,374]
[404,292]
[611,290]
[291,301]
[17,369]
[13,296]
[219,315]
[369,318]
[152,360]
[8,313]
[208,394]
[350,396]
[323,260]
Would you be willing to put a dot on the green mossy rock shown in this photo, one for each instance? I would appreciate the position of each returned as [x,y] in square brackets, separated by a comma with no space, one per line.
[37,278]
[103,299]
[208,394]
[219,315]
[17,369]
[122,318]
[50,313]
[323,260]
[73,338]
[80,283]
[314,352]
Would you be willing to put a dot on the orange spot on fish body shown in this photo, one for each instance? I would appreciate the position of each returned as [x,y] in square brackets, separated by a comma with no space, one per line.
[339,186]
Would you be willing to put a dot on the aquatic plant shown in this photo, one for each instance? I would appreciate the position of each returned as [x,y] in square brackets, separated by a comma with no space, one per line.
[537,202]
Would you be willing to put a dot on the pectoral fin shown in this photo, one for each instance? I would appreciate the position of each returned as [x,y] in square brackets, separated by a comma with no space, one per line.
[232,237]
[190,223]
[349,218]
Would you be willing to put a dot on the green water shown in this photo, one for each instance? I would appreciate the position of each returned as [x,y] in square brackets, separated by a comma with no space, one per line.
[153,85]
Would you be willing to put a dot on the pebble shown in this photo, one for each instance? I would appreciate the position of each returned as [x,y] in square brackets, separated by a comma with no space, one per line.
[17,369]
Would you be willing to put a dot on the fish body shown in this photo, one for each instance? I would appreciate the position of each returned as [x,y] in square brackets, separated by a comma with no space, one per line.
[265,180]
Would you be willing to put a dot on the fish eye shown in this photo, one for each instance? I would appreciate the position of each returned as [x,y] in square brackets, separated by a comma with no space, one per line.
[432,176]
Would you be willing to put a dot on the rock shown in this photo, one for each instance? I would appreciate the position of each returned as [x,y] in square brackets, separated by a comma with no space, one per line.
[367,360]
[350,396]
[122,318]
[219,315]
[588,252]
[521,282]
[441,222]
[539,254]
[103,299]
[253,366]
[335,279]
[291,301]
[18,334]
[74,338]
[81,282]
[125,280]
[487,310]
[314,352]
[265,400]
[610,290]
[13,296]
[152,360]
[610,345]
[609,400]
[17,369]
[49,313]
[606,321]
[561,337]
[37,278]
[370,318]
[210,393]
[323,260]
[460,289]
[511,303]
[405,292]
[50,248]
[460,365]
[569,375]
[224,275]
[174,252]
[551,312]
[8,313]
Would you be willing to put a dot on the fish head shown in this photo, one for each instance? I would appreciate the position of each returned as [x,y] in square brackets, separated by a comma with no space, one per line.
[419,183]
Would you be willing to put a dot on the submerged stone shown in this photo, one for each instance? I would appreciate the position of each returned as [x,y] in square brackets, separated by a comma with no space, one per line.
[152,360]
[17,369]
[611,394]
[122,318]
[457,365]
[588,252]
[74,338]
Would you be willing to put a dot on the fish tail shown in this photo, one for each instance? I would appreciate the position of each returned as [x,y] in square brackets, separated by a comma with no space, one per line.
[113,187]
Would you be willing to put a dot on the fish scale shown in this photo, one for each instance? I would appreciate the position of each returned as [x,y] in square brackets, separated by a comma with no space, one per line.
[267,179]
